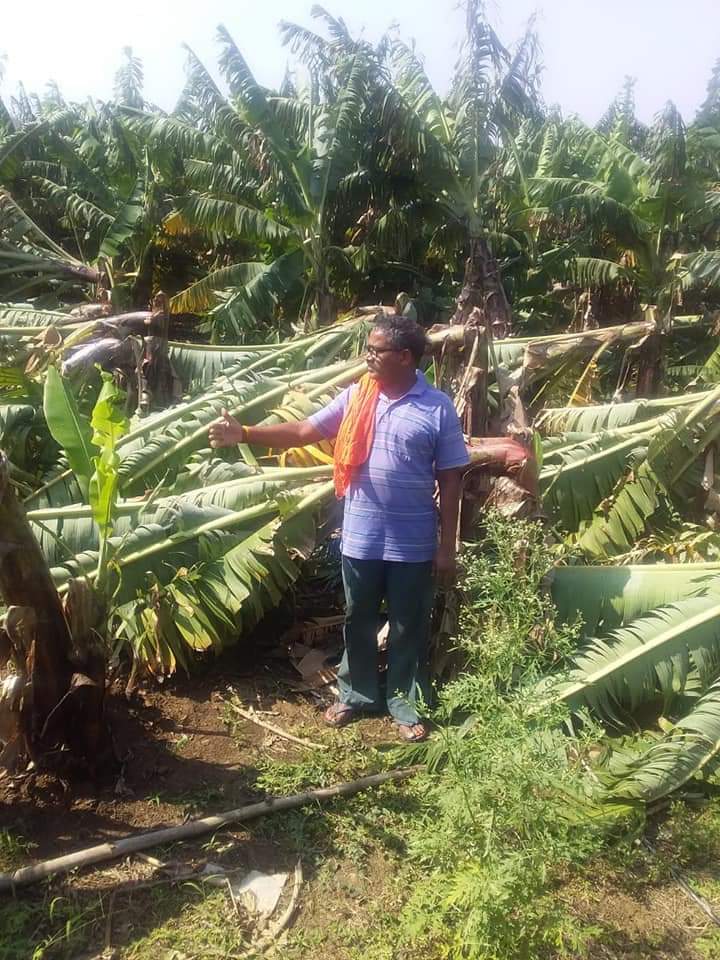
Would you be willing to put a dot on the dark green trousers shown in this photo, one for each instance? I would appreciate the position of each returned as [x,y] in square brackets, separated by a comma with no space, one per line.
[408,591]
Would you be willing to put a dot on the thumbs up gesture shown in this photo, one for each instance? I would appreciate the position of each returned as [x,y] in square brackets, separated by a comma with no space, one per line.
[225,432]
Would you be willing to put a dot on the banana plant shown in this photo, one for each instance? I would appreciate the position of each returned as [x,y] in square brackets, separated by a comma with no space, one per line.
[282,192]
[590,420]
[579,473]
[608,485]
[192,575]
[88,177]
[199,564]
[29,257]
[193,524]
[679,439]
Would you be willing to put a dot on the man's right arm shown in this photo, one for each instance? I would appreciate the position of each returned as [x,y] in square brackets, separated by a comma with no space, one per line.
[226,432]
[323,425]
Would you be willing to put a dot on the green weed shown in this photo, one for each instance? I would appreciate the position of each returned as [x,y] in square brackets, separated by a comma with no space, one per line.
[708,945]
[691,837]
[317,768]
[504,804]
[35,929]
[14,849]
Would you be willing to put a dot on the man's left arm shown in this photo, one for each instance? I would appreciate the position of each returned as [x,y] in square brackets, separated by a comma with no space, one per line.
[449,486]
[451,458]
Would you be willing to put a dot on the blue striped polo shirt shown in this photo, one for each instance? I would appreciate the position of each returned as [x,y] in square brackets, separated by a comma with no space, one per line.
[390,511]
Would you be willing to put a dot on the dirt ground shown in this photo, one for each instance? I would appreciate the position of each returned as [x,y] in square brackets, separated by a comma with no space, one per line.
[180,747]
[184,754]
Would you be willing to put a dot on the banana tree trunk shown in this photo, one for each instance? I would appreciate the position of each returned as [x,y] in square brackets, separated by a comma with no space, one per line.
[60,675]
[321,307]
[321,312]
[483,290]
[471,396]
[327,309]
[142,287]
[25,583]
[159,386]
[650,367]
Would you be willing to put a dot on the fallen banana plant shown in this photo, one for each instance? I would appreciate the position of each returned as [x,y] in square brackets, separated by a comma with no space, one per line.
[553,422]
[192,578]
[608,487]
[679,439]
[691,748]
[671,650]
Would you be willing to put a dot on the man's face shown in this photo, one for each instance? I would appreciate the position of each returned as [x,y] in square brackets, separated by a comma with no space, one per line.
[384,362]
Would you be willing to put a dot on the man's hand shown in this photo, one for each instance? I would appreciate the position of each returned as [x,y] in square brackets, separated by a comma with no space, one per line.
[225,432]
[445,566]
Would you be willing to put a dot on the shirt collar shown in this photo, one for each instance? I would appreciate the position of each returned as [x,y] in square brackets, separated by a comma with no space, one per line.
[419,387]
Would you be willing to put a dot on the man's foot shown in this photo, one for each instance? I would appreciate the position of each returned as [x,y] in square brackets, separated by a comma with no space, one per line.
[338,715]
[412,732]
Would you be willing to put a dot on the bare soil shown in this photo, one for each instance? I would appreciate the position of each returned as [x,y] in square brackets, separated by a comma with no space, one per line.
[179,746]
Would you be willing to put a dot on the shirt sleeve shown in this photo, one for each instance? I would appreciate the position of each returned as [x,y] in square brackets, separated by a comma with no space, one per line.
[450,449]
[328,420]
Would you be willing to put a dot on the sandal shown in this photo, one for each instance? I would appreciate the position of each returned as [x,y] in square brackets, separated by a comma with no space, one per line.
[338,715]
[412,732]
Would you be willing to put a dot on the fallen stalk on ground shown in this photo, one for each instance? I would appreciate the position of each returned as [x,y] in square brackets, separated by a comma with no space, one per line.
[194,828]
[253,718]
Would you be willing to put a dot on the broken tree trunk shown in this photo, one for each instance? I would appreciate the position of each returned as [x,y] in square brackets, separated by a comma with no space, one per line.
[483,290]
[471,398]
[157,386]
[650,367]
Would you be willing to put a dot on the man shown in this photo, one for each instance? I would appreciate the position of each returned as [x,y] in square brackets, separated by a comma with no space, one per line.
[396,436]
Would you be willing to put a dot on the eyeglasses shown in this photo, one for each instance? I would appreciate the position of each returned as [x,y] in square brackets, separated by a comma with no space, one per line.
[376,351]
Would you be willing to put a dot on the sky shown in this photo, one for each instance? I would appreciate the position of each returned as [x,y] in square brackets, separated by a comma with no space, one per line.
[588,46]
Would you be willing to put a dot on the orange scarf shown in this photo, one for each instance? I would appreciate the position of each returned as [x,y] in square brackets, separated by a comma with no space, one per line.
[356,433]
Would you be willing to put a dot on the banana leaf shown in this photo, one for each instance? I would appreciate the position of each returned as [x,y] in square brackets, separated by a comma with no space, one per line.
[18,317]
[577,477]
[18,426]
[606,597]
[69,428]
[607,416]
[690,749]
[148,457]
[198,574]
[671,650]
[65,532]
[197,367]
[675,445]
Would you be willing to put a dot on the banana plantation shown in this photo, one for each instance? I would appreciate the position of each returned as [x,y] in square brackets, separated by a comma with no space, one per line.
[157,268]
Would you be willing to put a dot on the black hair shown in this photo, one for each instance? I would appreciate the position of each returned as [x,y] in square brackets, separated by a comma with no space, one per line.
[404,334]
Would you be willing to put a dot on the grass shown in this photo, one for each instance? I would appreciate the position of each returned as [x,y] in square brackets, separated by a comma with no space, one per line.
[38,926]
[189,920]
[14,850]
[690,839]
[193,920]
[360,876]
